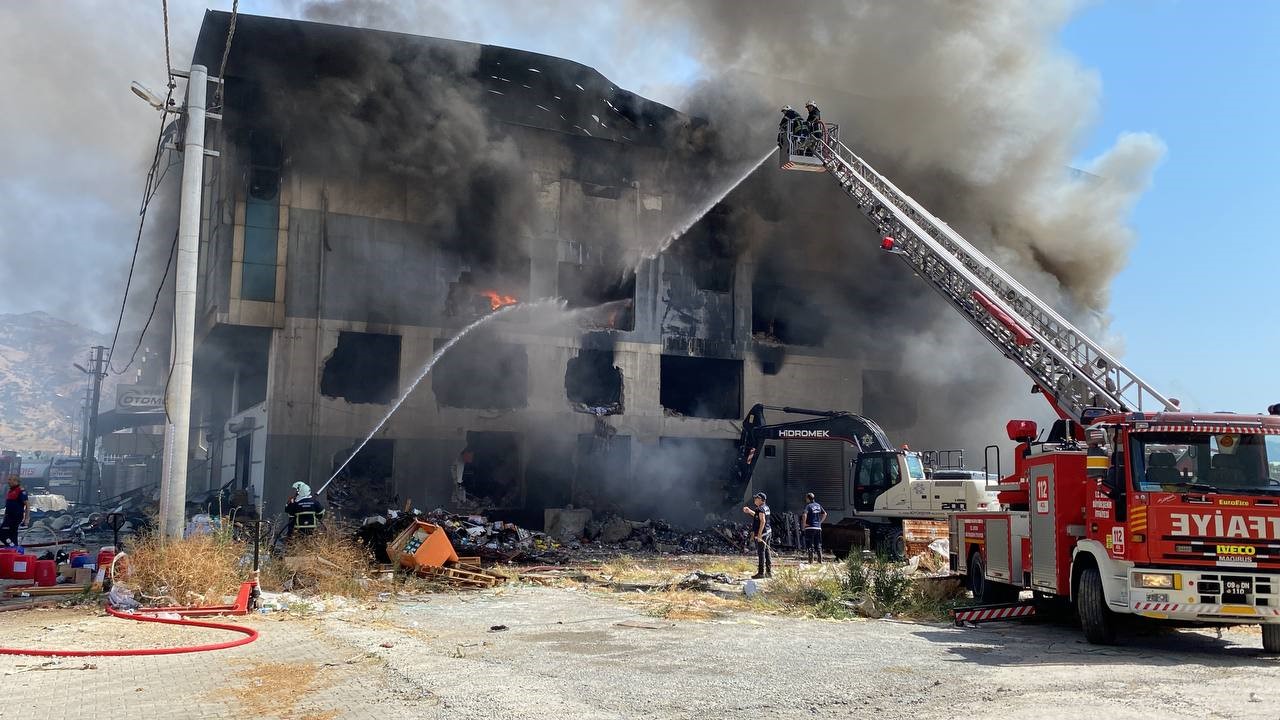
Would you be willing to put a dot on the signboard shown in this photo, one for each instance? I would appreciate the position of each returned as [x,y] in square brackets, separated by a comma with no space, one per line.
[138,398]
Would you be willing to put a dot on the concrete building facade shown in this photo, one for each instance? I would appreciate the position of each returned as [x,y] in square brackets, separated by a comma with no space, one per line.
[327,282]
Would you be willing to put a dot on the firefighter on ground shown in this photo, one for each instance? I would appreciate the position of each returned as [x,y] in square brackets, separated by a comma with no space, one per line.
[814,516]
[17,511]
[304,511]
[761,533]
[790,123]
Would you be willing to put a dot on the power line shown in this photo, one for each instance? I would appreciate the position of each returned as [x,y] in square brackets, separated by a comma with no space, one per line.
[154,177]
[226,52]
[164,6]
[155,302]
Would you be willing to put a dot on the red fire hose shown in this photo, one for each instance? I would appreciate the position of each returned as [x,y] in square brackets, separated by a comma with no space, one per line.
[249,636]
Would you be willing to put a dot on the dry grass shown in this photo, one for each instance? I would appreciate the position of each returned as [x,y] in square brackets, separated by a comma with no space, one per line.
[687,604]
[664,570]
[199,570]
[273,689]
[326,562]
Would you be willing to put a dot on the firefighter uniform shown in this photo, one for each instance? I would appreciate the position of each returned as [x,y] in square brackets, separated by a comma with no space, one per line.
[304,511]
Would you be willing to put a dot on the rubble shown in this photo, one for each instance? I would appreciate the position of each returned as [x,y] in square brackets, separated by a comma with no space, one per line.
[476,535]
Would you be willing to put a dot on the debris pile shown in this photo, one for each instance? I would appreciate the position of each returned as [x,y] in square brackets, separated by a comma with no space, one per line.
[504,542]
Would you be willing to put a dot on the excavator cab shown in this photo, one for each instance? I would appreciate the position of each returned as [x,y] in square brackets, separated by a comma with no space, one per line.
[804,147]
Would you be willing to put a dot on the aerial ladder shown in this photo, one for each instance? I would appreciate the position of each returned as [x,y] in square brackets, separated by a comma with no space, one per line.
[1081,380]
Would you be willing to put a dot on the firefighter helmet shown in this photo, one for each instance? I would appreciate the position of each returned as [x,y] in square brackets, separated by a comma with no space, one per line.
[810,103]
[786,108]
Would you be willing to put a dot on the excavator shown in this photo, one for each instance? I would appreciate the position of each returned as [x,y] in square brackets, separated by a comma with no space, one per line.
[894,495]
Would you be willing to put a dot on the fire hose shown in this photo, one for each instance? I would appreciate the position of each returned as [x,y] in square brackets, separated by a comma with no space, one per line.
[249,636]
[249,633]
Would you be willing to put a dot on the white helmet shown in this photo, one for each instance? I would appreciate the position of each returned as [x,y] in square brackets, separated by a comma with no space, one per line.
[810,103]
[786,108]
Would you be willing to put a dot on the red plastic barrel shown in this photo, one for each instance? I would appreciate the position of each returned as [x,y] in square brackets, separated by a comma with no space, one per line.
[46,573]
[105,556]
[23,567]
[7,556]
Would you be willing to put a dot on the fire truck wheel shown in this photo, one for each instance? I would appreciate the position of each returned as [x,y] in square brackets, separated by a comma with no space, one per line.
[985,591]
[1271,639]
[1091,606]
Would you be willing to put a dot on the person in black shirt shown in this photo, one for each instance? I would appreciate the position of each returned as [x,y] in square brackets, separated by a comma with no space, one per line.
[761,532]
[814,121]
[790,123]
[304,511]
[16,511]
[814,516]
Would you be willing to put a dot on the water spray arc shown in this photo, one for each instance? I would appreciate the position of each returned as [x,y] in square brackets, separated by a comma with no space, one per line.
[426,369]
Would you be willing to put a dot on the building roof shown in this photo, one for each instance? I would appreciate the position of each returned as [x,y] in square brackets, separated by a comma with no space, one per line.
[513,86]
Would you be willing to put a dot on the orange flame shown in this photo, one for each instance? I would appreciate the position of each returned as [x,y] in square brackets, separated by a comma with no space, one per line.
[498,300]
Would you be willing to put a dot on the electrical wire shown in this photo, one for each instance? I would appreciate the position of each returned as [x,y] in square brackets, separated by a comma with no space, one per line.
[155,302]
[155,176]
[226,52]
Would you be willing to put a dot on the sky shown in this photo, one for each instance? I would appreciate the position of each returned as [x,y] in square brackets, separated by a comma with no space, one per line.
[1194,305]
[1189,311]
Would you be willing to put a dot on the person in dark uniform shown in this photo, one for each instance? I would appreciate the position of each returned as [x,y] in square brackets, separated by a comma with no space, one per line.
[17,512]
[814,121]
[304,511]
[790,122]
[814,516]
[761,532]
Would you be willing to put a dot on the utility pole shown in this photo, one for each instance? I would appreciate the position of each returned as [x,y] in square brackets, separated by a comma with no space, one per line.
[173,483]
[89,447]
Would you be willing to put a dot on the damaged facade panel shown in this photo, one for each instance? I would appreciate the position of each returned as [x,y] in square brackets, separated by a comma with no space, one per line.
[593,384]
[364,368]
[482,373]
[701,387]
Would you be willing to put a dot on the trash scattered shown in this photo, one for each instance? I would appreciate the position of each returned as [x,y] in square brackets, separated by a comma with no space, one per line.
[751,588]
[498,628]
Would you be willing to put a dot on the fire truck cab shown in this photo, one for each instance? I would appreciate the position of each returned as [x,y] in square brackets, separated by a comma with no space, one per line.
[1173,516]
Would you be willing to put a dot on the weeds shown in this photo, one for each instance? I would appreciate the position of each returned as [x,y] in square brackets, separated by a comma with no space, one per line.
[328,561]
[201,569]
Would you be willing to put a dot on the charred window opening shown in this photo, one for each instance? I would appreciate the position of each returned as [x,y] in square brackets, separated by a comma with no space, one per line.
[593,383]
[364,368]
[596,286]
[888,399]
[482,374]
[706,253]
[365,485]
[786,314]
[770,355]
[701,387]
[491,468]
[484,289]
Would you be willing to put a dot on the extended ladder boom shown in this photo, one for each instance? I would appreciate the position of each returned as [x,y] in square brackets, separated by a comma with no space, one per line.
[1072,370]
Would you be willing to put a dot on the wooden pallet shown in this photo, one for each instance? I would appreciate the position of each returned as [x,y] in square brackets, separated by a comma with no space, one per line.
[463,576]
[51,590]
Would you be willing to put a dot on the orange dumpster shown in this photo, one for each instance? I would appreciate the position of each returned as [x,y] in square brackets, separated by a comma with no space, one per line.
[422,545]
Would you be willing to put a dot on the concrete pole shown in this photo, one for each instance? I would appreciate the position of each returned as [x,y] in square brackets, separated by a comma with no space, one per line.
[173,483]
[98,367]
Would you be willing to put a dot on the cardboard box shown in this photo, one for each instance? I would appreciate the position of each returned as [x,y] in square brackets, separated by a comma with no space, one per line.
[83,576]
[65,570]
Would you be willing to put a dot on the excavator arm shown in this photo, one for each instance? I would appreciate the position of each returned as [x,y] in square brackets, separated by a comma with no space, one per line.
[863,433]
[1080,379]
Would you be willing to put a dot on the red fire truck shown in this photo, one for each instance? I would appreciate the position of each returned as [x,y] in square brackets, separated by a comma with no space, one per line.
[1129,506]
[1172,516]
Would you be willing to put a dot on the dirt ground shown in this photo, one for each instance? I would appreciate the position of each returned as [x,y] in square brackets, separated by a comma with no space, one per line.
[584,653]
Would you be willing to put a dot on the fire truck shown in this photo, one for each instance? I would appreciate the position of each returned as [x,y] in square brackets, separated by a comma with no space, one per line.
[1129,506]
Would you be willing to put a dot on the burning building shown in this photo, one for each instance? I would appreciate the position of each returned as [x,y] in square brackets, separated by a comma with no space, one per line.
[375,193]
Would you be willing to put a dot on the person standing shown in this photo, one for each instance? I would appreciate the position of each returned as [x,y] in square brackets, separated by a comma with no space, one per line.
[17,511]
[814,516]
[761,532]
[304,511]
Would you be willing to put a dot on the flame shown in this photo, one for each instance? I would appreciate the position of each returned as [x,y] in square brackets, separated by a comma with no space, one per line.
[498,300]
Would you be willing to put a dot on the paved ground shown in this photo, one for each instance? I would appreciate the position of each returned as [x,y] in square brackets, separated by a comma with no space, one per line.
[580,654]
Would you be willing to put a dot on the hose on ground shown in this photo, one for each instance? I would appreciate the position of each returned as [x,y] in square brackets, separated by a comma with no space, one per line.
[249,636]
